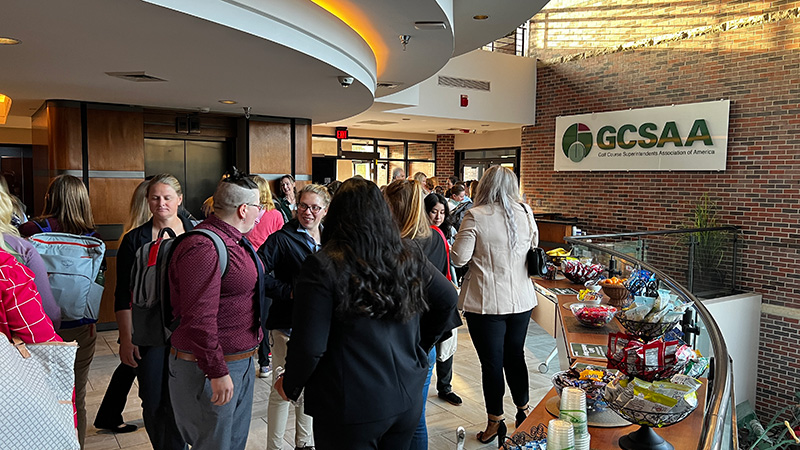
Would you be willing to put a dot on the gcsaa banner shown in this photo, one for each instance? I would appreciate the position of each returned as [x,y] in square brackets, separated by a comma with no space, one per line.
[678,137]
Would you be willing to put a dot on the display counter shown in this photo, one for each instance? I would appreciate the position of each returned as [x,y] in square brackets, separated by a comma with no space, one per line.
[579,344]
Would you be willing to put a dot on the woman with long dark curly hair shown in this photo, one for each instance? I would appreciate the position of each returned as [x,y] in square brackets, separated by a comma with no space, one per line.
[368,309]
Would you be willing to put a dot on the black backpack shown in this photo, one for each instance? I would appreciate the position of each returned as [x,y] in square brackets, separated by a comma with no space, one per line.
[151,310]
[457,214]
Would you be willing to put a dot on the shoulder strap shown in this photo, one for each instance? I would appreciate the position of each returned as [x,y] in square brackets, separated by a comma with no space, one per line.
[446,249]
[46,227]
[528,216]
[222,250]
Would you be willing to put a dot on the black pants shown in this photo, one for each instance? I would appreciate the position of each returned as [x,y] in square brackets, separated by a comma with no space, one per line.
[391,434]
[110,412]
[500,341]
[159,420]
[444,376]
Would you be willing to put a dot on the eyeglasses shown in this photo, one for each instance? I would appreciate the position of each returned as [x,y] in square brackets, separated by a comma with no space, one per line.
[314,208]
[259,206]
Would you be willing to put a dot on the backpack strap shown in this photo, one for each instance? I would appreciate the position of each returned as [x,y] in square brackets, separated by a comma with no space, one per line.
[219,245]
[46,228]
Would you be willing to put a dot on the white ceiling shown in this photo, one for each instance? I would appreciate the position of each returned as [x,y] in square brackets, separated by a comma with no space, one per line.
[68,46]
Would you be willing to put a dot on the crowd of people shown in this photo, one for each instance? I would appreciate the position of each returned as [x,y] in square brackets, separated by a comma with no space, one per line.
[353,290]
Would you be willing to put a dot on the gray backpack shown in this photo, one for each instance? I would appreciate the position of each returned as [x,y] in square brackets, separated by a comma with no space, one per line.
[73,265]
[151,310]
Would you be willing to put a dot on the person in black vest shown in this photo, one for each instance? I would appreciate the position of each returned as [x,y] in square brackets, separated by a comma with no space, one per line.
[283,254]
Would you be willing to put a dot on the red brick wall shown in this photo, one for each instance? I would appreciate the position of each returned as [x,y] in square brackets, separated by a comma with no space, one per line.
[565,27]
[758,69]
[445,156]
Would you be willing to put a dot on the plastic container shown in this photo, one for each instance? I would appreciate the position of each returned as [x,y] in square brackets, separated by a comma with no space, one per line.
[593,316]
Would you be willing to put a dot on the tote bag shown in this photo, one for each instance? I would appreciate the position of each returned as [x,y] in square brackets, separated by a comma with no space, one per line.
[36,385]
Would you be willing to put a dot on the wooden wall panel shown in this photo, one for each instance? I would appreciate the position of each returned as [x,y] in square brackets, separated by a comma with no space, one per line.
[107,303]
[110,198]
[116,139]
[162,124]
[270,147]
[302,149]
[64,136]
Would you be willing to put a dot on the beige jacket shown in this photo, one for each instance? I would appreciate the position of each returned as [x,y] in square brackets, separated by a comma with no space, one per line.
[497,281]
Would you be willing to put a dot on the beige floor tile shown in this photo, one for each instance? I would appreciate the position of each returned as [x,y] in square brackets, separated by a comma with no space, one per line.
[442,418]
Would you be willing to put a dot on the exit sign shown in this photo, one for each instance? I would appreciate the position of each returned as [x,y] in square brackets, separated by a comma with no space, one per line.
[341,133]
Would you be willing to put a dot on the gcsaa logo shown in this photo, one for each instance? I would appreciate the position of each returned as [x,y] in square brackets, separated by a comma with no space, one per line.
[577,142]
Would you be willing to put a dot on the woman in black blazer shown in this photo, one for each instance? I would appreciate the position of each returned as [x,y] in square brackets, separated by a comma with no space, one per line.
[368,309]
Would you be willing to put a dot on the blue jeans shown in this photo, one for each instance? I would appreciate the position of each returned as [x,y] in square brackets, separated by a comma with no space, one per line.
[206,426]
[420,439]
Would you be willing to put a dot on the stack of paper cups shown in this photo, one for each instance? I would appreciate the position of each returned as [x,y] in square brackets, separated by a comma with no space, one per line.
[560,435]
[573,409]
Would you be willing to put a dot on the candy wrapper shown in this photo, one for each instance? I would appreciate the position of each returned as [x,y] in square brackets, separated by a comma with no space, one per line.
[654,404]
[665,307]
[642,282]
[577,272]
[652,360]
[591,380]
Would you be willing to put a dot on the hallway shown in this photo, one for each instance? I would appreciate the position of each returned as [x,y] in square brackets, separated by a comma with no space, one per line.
[443,418]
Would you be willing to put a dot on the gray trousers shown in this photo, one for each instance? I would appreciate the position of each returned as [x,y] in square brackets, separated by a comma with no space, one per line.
[203,425]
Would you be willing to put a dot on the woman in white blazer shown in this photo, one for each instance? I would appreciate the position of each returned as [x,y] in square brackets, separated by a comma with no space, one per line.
[497,295]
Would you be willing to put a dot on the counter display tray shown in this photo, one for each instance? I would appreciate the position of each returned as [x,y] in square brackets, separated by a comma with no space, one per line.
[601,419]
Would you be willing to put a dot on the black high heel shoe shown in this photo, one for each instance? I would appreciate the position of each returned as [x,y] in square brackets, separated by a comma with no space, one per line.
[501,432]
[522,414]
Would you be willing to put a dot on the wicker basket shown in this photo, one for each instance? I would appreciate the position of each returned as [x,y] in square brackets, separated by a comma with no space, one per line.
[646,330]
[617,294]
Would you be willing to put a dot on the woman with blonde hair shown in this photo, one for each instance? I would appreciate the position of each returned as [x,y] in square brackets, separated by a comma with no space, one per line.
[164,196]
[109,415]
[269,219]
[67,209]
[406,202]
[497,295]
[25,253]
[18,216]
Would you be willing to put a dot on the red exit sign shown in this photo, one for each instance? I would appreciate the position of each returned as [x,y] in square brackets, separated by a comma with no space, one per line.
[341,133]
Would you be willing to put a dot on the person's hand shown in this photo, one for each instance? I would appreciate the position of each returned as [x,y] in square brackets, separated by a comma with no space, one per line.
[279,387]
[129,353]
[221,390]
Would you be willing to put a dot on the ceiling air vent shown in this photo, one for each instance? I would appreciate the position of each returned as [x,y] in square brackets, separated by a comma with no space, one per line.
[388,84]
[139,77]
[377,122]
[466,83]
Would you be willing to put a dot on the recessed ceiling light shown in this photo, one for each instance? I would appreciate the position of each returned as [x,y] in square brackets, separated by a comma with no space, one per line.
[484,124]
[227,102]
[480,17]
[406,118]
[4,40]
[431,131]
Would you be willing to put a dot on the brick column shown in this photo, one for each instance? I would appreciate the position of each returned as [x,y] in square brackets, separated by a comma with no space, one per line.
[445,156]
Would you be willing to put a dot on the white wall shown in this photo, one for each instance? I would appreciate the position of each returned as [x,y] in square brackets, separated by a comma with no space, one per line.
[511,98]
[492,139]
[738,318]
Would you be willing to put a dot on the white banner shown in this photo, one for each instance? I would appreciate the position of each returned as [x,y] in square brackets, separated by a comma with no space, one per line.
[678,137]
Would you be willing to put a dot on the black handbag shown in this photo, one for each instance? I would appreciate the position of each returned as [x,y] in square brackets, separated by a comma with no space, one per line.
[537,262]
[536,258]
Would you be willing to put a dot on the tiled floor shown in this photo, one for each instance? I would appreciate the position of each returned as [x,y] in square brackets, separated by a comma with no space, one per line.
[442,418]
